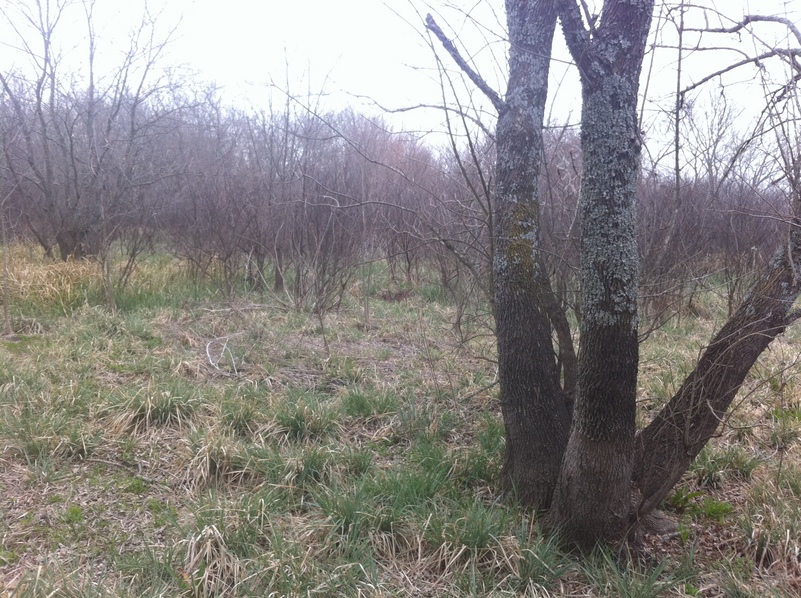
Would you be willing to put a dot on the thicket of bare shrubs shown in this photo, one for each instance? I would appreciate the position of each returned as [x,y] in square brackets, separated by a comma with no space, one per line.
[297,201]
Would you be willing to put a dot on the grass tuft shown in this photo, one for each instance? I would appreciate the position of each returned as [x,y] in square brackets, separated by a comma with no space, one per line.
[305,417]
[211,569]
[143,412]
[713,466]
[219,461]
[613,575]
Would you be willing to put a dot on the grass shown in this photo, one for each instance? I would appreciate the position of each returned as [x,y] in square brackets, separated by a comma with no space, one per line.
[714,465]
[190,445]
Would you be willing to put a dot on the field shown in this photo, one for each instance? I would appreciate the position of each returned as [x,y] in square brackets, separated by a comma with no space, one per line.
[195,443]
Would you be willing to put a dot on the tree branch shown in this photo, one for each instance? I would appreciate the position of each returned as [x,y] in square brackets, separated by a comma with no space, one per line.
[748,19]
[491,94]
[793,316]
[576,36]
[446,109]
[589,17]
[792,53]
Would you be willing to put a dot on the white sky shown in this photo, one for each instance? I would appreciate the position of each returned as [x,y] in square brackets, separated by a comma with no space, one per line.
[375,48]
[350,49]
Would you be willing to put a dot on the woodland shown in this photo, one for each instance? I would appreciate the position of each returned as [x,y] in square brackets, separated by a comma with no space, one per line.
[296,350]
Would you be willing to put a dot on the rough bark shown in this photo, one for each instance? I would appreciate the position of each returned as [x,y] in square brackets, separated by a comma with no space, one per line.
[667,446]
[535,410]
[592,498]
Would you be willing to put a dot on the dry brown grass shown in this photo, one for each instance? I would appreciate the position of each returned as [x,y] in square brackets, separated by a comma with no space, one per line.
[43,280]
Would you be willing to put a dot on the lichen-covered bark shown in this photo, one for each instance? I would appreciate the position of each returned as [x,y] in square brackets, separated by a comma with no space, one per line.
[667,446]
[535,411]
[592,498]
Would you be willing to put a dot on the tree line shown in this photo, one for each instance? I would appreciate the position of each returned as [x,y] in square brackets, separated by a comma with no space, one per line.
[295,200]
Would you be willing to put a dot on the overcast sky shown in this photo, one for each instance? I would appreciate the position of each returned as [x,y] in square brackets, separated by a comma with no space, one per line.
[375,48]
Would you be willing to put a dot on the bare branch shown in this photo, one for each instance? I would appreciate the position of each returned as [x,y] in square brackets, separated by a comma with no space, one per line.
[748,19]
[491,94]
[576,36]
[589,17]
[756,60]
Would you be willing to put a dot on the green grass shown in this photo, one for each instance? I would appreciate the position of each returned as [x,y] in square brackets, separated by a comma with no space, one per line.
[713,466]
[614,575]
[305,416]
[195,443]
[37,431]
[364,402]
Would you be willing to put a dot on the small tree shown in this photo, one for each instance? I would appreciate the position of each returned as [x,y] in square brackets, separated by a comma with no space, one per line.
[575,451]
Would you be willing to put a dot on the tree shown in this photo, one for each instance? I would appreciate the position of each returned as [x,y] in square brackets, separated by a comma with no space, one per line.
[592,495]
[574,450]
[85,159]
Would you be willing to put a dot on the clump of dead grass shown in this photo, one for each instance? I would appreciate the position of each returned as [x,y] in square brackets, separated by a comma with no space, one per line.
[211,568]
[771,524]
[46,281]
[147,410]
[219,461]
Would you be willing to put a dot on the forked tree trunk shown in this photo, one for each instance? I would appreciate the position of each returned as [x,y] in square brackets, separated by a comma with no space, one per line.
[535,410]
[592,498]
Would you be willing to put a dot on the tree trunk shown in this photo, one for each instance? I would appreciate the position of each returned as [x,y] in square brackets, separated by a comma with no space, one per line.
[70,244]
[278,283]
[535,410]
[567,364]
[592,498]
[254,268]
[667,446]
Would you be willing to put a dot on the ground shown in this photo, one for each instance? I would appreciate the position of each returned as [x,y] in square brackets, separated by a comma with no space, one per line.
[196,444]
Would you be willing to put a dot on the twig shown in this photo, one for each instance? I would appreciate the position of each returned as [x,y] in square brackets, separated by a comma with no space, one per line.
[748,19]
[756,60]
[479,391]
[225,348]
